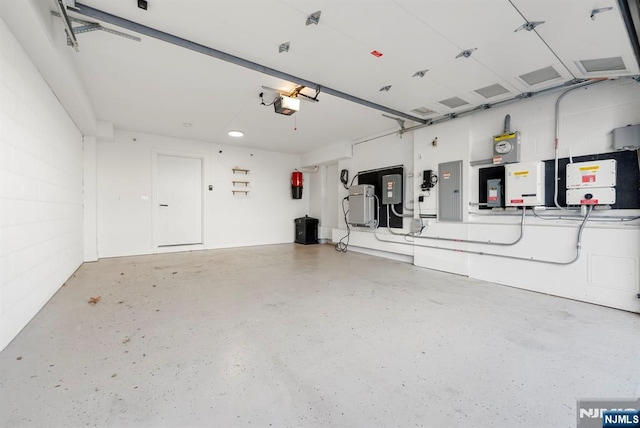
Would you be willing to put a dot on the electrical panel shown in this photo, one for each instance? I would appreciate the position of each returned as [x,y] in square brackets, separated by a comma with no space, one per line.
[524,185]
[450,191]
[506,148]
[494,193]
[361,205]
[591,183]
[391,189]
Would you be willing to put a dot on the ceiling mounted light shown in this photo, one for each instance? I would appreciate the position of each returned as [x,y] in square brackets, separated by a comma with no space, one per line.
[594,12]
[528,26]
[466,53]
[420,73]
[235,134]
[314,18]
[284,47]
[385,88]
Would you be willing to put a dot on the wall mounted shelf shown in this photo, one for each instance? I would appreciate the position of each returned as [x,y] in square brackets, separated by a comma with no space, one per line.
[235,183]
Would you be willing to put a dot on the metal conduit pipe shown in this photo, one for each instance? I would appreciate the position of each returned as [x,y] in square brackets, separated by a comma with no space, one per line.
[397,214]
[603,218]
[196,47]
[557,134]
[490,105]
[506,256]
[471,241]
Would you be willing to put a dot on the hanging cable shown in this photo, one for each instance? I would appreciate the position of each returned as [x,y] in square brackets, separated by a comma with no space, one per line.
[343,244]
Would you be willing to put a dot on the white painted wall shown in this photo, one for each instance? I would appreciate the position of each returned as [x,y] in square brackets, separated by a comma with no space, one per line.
[608,271]
[126,173]
[41,240]
[383,152]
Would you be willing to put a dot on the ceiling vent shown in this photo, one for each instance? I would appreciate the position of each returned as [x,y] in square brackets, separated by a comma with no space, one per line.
[539,76]
[492,90]
[603,64]
[453,102]
[423,111]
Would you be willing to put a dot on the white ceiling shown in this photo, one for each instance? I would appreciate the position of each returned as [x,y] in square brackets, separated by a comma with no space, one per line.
[156,87]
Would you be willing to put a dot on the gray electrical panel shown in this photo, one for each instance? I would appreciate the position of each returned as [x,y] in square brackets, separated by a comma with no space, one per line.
[494,193]
[391,189]
[450,191]
[361,205]
[506,148]
[626,138]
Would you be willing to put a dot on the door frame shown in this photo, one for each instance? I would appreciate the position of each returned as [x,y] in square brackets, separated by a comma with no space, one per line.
[155,155]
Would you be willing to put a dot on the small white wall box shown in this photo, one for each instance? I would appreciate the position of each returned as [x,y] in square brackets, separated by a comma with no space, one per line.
[592,196]
[524,184]
[591,174]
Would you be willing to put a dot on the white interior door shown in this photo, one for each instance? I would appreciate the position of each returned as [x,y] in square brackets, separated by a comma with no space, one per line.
[179,200]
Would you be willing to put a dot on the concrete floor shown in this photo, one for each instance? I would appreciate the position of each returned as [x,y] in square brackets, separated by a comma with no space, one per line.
[304,336]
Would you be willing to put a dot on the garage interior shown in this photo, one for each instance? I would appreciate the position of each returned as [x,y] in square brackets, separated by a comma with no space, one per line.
[312,213]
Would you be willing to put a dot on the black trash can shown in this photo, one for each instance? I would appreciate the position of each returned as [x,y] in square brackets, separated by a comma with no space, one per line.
[306,230]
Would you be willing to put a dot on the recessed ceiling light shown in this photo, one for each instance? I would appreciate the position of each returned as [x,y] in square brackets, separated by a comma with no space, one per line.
[187,125]
[236,134]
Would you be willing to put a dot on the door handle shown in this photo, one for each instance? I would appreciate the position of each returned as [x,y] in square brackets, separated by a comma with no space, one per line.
[164,205]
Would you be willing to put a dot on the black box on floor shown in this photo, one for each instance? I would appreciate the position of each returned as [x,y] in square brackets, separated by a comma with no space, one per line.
[306,230]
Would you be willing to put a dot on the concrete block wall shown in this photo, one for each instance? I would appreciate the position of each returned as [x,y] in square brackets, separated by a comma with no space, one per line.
[40,190]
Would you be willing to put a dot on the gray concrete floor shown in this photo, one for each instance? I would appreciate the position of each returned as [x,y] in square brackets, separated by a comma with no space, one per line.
[304,336]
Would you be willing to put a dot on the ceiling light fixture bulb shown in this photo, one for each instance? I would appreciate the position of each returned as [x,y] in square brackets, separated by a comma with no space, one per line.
[235,134]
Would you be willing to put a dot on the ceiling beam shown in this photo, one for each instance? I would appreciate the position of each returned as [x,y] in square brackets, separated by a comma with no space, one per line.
[196,47]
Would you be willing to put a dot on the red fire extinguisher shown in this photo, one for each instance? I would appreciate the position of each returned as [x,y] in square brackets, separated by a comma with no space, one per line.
[296,184]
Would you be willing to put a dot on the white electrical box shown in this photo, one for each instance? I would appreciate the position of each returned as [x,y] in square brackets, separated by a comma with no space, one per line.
[591,183]
[582,175]
[524,184]
[593,196]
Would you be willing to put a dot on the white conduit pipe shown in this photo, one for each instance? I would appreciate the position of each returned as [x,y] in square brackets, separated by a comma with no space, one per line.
[506,256]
